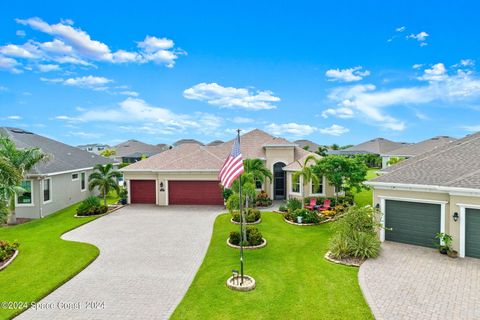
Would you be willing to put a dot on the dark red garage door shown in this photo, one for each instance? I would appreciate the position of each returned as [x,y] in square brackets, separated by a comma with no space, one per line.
[195,192]
[142,191]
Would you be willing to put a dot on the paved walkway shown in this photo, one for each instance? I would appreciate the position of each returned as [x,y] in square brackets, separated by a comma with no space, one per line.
[411,282]
[148,258]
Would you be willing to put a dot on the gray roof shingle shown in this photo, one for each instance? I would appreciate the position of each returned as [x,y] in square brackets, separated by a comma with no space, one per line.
[130,147]
[418,148]
[62,157]
[376,146]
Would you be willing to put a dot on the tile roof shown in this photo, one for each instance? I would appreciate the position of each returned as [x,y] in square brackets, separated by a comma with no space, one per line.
[215,143]
[312,146]
[455,164]
[377,146]
[130,147]
[62,157]
[418,148]
[297,165]
[194,157]
[183,141]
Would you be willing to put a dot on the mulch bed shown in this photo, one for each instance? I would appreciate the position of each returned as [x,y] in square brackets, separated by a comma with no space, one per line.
[247,223]
[247,247]
[111,208]
[350,261]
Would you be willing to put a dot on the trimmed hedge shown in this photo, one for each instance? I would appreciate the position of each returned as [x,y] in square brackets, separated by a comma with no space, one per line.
[254,237]
[251,215]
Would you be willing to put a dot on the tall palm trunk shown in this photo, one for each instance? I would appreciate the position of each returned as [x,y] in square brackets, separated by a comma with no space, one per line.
[244,229]
[12,217]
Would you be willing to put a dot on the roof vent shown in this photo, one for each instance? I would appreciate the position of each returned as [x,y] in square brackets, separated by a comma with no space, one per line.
[20,131]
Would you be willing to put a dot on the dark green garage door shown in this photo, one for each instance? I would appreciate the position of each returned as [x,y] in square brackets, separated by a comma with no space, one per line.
[412,222]
[472,233]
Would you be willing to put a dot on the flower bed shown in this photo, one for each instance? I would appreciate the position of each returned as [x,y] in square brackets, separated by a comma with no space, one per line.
[254,239]
[347,261]
[8,252]
[252,216]
[263,200]
[304,217]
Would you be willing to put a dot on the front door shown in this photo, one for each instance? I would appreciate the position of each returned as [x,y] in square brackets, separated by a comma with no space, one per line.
[279,181]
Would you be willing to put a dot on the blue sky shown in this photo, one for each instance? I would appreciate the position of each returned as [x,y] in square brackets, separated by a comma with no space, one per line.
[341,72]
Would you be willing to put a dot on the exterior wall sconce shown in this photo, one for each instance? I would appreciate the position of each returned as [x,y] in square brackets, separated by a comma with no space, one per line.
[455,216]
[162,189]
[377,206]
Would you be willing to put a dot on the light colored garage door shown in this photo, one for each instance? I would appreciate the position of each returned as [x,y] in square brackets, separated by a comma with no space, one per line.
[472,233]
[195,192]
[412,222]
[142,191]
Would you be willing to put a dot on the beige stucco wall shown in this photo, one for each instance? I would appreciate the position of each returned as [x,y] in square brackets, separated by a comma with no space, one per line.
[65,192]
[328,189]
[451,227]
[274,155]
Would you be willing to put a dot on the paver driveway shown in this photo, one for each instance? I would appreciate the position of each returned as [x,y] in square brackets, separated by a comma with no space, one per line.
[411,282]
[148,258]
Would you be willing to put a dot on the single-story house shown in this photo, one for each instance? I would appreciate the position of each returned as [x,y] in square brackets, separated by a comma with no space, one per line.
[54,184]
[133,150]
[412,150]
[96,148]
[307,145]
[215,143]
[188,173]
[437,191]
[185,141]
[375,146]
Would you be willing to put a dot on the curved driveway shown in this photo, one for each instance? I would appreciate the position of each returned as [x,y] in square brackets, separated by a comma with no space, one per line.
[148,258]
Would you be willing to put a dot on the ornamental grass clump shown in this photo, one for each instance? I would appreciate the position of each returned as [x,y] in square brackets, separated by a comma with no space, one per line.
[356,234]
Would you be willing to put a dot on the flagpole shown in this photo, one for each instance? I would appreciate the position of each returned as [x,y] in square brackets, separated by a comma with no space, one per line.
[241,218]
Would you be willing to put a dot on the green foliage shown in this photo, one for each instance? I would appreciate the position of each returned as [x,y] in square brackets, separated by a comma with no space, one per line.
[445,242]
[226,193]
[356,234]
[123,193]
[322,151]
[252,215]
[395,160]
[233,202]
[263,200]
[346,200]
[235,238]
[91,206]
[294,204]
[283,208]
[105,178]
[308,216]
[307,173]
[7,249]
[343,172]
[108,153]
[254,237]
[370,159]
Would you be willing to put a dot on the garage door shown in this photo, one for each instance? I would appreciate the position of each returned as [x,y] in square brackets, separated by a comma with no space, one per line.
[142,191]
[412,222]
[472,233]
[195,192]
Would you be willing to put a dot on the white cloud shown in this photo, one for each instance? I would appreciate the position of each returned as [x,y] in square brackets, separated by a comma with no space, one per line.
[14,117]
[48,67]
[467,62]
[401,29]
[91,82]
[347,75]
[242,120]
[472,128]
[129,93]
[153,44]
[417,66]
[9,64]
[230,97]
[421,37]
[294,129]
[27,51]
[85,135]
[334,130]
[20,33]
[343,113]
[437,72]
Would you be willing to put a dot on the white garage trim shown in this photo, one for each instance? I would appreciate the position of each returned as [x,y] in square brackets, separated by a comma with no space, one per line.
[382,210]
[462,217]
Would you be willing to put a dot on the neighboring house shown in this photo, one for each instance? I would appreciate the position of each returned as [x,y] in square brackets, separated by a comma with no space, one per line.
[54,184]
[437,191]
[188,141]
[164,146]
[215,143]
[307,145]
[415,149]
[375,146]
[188,174]
[94,147]
[132,151]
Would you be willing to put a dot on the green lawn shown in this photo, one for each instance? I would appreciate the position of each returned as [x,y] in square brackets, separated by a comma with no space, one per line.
[44,261]
[294,281]
[365,197]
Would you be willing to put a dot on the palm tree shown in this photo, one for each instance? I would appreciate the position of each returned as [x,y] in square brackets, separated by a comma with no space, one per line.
[22,160]
[105,178]
[10,179]
[307,175]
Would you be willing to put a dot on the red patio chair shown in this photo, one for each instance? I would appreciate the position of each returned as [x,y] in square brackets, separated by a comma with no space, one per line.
[311,206]
[325,205]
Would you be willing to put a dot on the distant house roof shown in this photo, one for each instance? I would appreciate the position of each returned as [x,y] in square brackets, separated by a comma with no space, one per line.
[92,145]
[127,148]
[184,141]
[420,147]
[62,157]
[297,165]
[453,165]
[376,146]
[215,143]
[194,157]
[312,146]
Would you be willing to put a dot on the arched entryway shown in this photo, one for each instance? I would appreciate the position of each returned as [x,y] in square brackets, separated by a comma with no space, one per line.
[279,181]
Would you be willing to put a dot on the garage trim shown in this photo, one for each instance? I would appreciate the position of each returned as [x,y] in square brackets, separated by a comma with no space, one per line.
[382,210]
[463,207]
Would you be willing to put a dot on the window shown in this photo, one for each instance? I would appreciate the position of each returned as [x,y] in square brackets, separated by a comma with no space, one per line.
[100,148]
[47,190]
[75,176]
[89,148]
[26,197]
[296,185]
[83,181]
[319,188]
[258,184]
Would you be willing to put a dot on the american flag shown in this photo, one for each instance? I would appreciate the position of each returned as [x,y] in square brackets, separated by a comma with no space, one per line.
[233,166]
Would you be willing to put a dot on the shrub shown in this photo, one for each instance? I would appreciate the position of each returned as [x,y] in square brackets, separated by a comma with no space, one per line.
[7,249]
[282,208]
[235,238]
[294,204]
[346,200]
[251,215]
[226,193]
[263,200]
[356,234]
[91,206]
[233,202]
[307,216]
[254,237]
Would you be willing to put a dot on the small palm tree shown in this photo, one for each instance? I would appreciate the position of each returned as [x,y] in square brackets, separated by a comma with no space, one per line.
[10,179]
[307,175]
[105,178]
[22,160]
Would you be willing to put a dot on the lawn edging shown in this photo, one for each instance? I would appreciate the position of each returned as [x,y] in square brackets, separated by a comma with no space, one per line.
[10,260]
[306,224]
[247,223]
[262,245]
[328,256]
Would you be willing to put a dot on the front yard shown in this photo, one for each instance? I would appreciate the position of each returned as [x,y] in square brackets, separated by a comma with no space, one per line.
[44,261]
[365,197]
[294,281]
